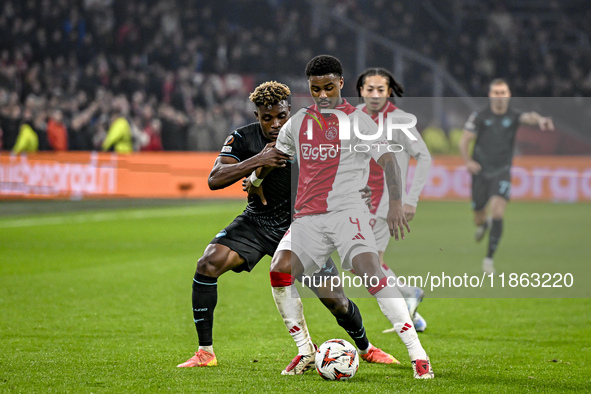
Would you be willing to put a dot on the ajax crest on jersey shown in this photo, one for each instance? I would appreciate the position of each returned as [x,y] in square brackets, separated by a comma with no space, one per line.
[331,133]
[337,359]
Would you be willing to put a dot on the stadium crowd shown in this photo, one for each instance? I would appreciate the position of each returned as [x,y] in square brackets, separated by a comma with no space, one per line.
[542,47]
[179,71]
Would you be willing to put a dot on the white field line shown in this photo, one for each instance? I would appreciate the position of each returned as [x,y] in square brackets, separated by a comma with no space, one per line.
[104,216]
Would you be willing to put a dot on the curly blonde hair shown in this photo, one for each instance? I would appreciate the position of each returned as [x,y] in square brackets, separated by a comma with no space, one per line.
[269,93]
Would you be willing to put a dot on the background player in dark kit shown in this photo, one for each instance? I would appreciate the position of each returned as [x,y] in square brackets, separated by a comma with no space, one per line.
[494,129]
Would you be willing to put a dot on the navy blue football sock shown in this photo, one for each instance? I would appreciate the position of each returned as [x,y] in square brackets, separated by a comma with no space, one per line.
[494,236]
[205,298]
[353,324]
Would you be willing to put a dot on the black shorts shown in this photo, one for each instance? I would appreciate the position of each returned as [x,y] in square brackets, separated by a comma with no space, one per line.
[484,187]
[251,241]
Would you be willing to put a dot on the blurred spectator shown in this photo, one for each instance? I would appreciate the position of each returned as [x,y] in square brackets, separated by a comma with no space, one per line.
[57,135]
[152,134]
[10,119]
[119,137]
[40,126]
[174,126]
[200,135]
[194,62]
[27,140]
[80,128]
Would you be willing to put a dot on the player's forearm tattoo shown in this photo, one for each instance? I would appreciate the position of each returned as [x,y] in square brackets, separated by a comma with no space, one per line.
[393,179]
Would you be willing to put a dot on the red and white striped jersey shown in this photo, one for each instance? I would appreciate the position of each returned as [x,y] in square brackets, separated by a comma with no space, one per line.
[332,168]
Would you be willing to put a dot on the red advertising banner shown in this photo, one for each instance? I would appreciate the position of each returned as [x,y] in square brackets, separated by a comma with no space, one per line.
[542,178]
[92,174]
[184,175]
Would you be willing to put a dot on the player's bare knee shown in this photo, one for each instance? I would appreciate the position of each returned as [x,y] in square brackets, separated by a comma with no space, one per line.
[281,262]
[286,262]
[210,265]
[479,217]
[367,264]
[498,212]
[498,205]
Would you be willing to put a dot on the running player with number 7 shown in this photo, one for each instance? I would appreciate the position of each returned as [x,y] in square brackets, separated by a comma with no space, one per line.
[494,129]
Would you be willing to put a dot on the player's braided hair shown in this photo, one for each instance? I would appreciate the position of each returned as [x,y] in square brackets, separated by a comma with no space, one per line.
[397,89]
[324,65]
[269,93]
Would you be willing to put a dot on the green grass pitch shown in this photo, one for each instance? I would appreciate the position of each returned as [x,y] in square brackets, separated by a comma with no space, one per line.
[99,301]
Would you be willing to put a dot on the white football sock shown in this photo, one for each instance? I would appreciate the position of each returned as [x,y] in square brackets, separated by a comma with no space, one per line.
[208,349]
[291,309]
[365,351]
[394,308]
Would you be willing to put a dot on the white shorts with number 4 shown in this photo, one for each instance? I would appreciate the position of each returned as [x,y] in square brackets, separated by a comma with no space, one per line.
[313,238]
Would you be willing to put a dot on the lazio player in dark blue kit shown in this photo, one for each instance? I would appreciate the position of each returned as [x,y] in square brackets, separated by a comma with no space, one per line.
[258,230]
[494,129]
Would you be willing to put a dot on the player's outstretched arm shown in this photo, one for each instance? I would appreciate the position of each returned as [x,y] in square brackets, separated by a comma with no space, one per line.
[396,220]
[227,170]
[472,166]
[535,119]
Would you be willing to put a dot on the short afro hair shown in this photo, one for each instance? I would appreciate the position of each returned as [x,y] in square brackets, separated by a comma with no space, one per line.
[269,93]
[323,65]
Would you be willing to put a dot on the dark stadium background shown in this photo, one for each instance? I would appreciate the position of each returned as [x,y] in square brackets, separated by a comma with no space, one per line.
[191,64]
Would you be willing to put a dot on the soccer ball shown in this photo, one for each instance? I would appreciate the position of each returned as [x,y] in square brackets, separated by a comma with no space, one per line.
[337,359]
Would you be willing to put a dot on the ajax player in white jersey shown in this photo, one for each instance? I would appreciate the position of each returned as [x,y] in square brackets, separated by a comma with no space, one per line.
[376,86]
[330,216]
